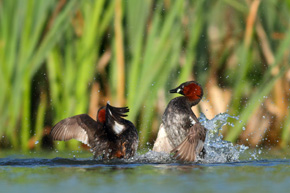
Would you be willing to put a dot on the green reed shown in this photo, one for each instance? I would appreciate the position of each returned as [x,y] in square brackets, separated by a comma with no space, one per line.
[24,46]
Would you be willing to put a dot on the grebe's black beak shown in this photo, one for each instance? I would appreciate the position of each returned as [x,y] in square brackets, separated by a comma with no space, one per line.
[176,90]
[173,90]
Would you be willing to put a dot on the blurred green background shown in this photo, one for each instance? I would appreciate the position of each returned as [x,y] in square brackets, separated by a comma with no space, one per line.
[59,58]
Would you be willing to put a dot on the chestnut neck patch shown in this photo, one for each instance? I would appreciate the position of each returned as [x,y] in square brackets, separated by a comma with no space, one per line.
[102,115]
[192,91]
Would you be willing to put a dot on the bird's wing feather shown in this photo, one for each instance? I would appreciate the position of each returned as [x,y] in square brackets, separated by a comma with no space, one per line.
[191,145]
[80,127]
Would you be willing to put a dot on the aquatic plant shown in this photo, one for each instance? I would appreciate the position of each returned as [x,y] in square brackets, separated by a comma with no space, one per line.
[28,33]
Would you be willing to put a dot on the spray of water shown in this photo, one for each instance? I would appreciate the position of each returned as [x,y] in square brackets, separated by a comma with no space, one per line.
[217,149]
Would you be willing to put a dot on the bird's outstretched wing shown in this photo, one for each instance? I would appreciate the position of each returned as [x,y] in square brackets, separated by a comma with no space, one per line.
[114,119]
[192,144]
[80,127]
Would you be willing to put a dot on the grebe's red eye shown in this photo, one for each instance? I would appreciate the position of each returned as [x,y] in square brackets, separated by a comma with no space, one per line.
[192,91]
[102,115]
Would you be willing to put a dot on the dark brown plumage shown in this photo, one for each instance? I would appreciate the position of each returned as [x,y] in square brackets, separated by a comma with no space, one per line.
[110,136]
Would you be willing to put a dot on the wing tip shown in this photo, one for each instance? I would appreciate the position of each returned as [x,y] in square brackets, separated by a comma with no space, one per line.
[185,152]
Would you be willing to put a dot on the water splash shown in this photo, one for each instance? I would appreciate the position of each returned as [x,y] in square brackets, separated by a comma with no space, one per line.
[217,149]
[152,157]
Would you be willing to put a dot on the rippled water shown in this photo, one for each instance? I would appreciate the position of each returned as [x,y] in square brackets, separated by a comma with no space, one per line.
[79,175]
[226,168]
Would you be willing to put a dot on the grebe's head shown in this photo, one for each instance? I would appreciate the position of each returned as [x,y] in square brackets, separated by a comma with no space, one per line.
[101,117]
[191,89]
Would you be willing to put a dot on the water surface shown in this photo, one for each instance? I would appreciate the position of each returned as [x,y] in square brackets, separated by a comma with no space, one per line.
[34,173]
